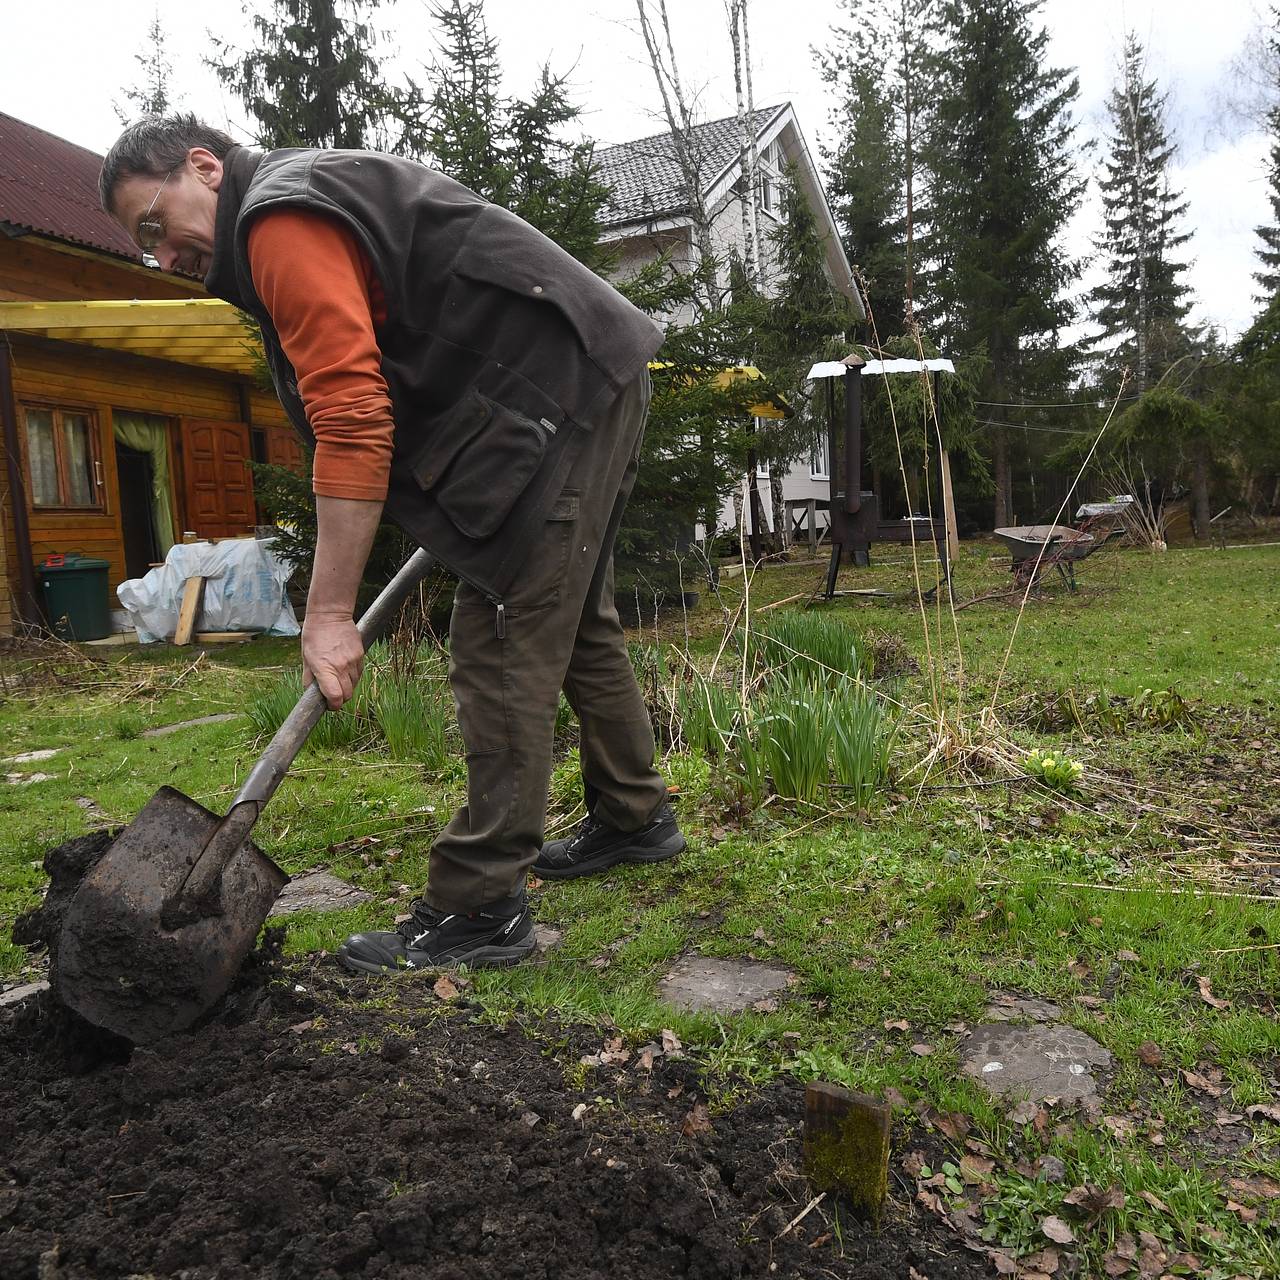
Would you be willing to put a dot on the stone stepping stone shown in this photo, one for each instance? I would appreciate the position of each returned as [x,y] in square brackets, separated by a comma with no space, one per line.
[548,938]
[45,753]
[165,729]
[709,985]
[1011,1008]
[1035,1062]
[26,779]
[317,891]
[16,995]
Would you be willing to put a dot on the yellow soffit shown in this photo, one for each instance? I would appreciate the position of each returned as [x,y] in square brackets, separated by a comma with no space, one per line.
[204,332]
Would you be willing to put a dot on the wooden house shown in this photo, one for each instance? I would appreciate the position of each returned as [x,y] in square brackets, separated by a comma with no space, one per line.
[129,400]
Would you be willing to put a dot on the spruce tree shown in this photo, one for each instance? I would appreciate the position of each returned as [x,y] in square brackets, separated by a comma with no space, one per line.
[1003,186]
[1268,277]
[878,69]
[153,97]
[511,150]
[312,78]
[1141,307]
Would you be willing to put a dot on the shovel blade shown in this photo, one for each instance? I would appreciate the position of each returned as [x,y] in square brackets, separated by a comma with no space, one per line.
[117,966]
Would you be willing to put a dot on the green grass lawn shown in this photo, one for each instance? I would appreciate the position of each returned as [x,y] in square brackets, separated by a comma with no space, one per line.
[1142,902]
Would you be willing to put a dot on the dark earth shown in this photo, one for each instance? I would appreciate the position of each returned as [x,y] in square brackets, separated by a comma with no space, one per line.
[319,1126]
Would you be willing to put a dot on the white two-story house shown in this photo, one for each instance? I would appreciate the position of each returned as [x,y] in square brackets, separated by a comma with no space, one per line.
[650,213]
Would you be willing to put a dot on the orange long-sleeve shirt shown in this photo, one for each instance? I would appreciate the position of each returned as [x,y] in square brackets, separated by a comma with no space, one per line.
[325,300]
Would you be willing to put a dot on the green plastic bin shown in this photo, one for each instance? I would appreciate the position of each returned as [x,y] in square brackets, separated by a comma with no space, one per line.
[75,596]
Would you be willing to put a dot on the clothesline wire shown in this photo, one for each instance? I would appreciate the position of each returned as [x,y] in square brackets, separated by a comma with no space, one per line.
[1028,404]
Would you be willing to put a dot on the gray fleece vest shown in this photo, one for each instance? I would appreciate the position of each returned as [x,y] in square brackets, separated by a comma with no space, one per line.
[500,350]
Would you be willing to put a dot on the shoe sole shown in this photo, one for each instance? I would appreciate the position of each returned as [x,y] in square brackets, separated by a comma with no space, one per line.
[481,958]
[659,853]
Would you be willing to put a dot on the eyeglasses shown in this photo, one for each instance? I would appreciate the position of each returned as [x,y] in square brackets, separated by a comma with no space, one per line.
[151,230]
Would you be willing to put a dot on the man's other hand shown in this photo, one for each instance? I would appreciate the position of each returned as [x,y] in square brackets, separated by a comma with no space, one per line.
[332,656]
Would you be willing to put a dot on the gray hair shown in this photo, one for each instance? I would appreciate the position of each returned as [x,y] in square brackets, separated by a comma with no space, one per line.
[153,146]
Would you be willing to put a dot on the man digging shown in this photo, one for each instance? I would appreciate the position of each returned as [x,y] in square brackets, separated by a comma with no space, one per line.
[456,369]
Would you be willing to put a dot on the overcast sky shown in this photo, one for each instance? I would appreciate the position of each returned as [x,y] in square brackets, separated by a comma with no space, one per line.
[63,63]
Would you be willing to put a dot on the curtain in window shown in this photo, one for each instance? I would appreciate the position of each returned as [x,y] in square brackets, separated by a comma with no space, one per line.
[150,434]
[44,460]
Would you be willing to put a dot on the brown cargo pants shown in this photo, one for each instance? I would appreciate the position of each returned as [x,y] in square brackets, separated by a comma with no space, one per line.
[559,629]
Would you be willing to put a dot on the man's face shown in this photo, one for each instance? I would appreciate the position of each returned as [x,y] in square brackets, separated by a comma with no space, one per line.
[176,213]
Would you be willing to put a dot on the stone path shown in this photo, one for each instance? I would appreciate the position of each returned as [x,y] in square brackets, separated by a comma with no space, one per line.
[317,891]
[707,984]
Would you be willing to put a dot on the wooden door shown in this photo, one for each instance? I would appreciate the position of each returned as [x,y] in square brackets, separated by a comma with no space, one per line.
[284,449]
[217,485]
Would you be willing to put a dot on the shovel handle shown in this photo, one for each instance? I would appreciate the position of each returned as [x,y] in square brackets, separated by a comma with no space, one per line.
[289,738]
[281,751]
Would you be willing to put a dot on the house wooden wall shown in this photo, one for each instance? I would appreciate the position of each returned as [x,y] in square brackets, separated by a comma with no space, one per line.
[89,378]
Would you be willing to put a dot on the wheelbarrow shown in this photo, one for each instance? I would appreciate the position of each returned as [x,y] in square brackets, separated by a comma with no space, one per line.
[160,926]
[1037,547]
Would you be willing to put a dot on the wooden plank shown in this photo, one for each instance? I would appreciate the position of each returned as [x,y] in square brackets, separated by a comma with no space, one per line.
[949,508]
[846,1145]
[225,637]
[191,595]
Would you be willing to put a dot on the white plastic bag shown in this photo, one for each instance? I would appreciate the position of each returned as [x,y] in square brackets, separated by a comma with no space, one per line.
[244,590]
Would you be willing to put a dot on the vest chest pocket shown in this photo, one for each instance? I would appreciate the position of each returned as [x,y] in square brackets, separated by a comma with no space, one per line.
[482,461]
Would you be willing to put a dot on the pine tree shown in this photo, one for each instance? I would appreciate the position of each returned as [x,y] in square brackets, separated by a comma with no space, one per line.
[510,150]
[1268,277]
[312,78]
[153,96]
[1142,306]
[1003,186]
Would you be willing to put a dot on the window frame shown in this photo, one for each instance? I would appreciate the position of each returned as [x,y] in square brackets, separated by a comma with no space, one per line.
[97,481]
[820,453]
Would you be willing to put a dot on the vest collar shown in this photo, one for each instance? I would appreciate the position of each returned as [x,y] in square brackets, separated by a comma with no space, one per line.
[238,168]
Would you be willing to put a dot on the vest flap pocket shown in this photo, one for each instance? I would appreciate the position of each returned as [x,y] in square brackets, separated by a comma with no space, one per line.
[490,471]
[449,436]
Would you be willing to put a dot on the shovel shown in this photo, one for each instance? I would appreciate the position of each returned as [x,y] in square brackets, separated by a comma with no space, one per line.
[160,926]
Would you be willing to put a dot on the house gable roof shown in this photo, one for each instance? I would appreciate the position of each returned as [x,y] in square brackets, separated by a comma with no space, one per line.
[50,186]
[644,176]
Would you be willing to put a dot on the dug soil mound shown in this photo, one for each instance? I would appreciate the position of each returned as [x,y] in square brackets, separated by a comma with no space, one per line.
[319,1126]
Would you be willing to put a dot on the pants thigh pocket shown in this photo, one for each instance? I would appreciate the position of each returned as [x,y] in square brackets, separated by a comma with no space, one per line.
[542,580]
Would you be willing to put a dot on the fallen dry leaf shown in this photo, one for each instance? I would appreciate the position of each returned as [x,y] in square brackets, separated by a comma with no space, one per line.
[1243,1212]
[1150,1053]
[955,1125]
[1003,1262]
[912,1163]
[1079,969]
[1206,994]
[671,1045]
[1261,1186]
[1057,1230]
[1265,1110]
[1154,1201]
[1131,957]
[445,988]
[1045,1261]
[1118,1126]
[766,1005]
[697,1121]
[579,1111]
[1199,1082]
[922,1050]
[299,1027]
[975,1168]
[1024,1112]
[897,1024]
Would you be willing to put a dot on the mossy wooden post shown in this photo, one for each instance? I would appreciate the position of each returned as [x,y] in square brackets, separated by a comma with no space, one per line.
[846,1145]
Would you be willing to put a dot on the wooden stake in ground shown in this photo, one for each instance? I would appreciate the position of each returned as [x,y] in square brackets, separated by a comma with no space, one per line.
[191,597]
[846,1145]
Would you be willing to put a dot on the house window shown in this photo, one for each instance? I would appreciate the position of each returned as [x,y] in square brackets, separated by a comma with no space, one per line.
[771,179]
[63,457]
[820,458]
